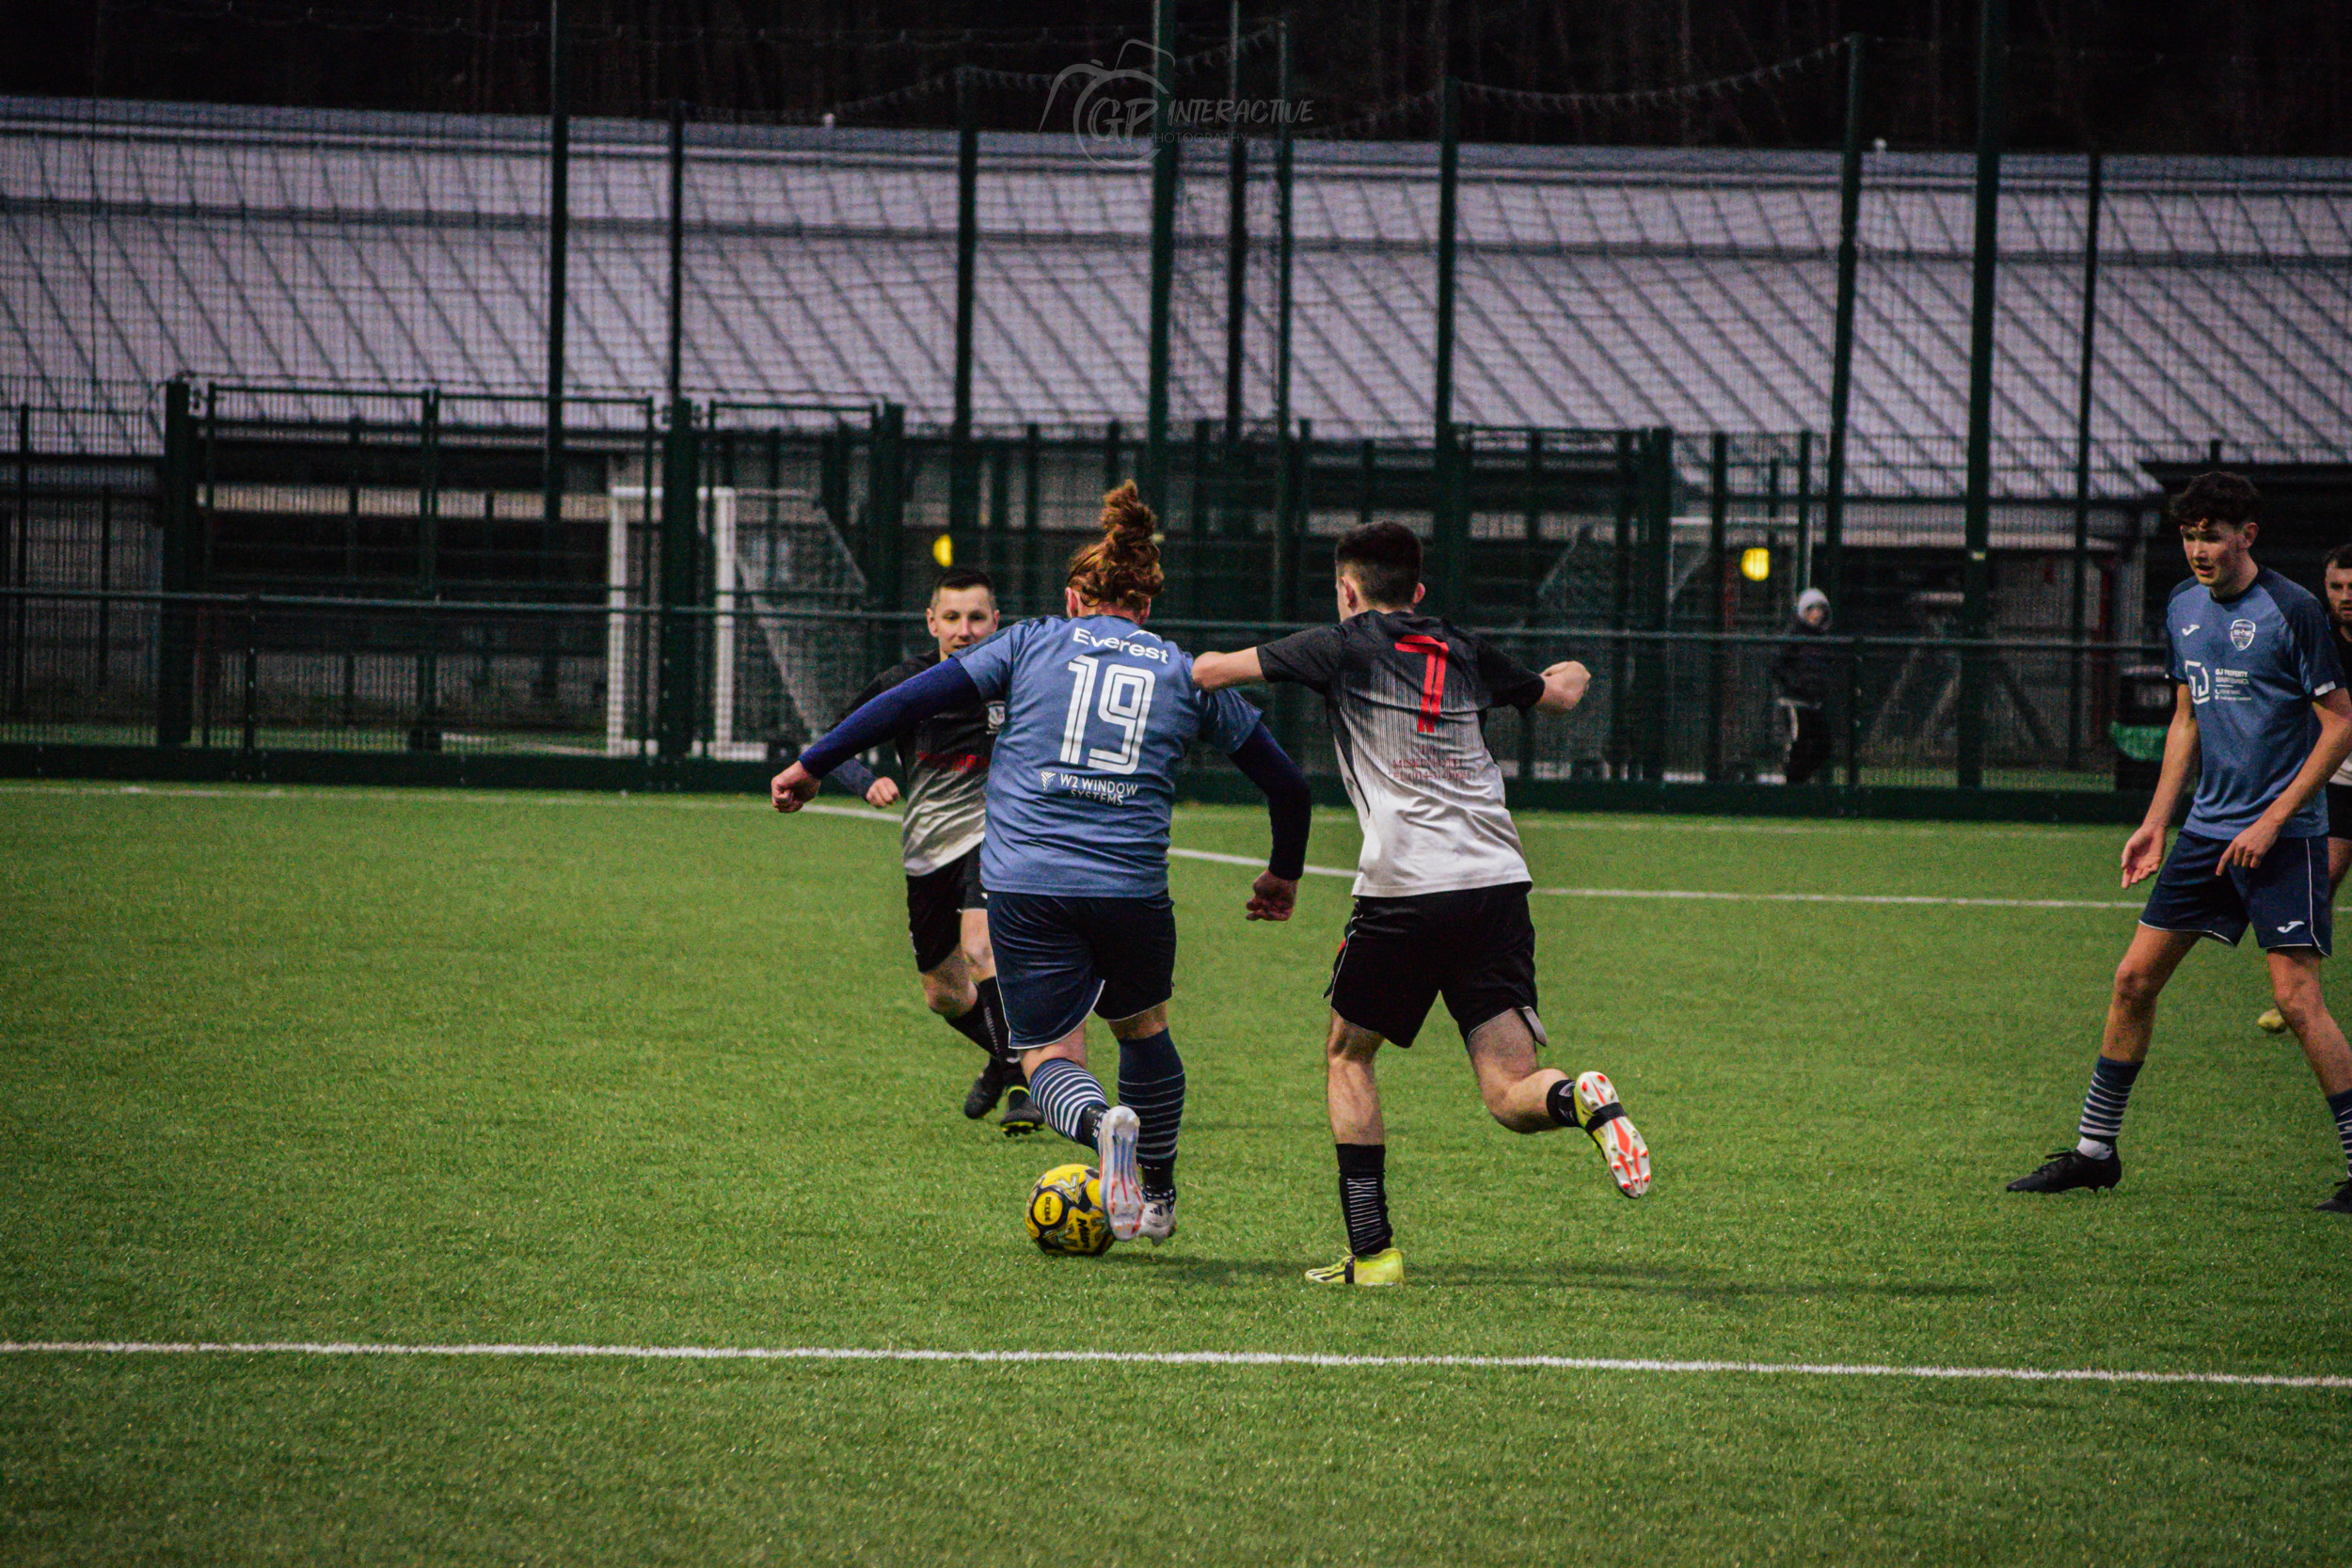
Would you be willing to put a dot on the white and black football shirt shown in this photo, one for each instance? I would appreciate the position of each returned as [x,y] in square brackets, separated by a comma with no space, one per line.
[945,759]
[1406,693]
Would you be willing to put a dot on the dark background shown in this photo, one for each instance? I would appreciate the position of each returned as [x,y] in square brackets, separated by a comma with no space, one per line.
[2152,76]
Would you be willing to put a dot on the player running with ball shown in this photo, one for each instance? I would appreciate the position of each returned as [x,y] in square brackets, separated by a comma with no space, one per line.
[1441,886]
[1098,712]
[2259,704]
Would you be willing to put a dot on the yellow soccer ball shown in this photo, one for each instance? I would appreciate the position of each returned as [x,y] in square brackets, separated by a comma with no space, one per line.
[1065,1214]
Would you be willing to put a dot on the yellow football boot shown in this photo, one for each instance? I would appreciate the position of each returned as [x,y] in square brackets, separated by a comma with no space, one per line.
[1385,1267]
[2272,1021]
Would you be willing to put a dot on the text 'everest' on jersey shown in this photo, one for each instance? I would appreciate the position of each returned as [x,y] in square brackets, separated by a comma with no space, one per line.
[1098,714]
[1406,693]
[2254,666]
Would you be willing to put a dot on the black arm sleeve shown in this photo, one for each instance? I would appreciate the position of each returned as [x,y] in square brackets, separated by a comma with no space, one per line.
[1509,682]
[1311,657]
[1288,804]
[943,686]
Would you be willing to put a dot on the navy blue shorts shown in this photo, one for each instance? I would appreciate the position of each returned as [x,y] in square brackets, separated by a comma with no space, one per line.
[1057,957]
[2286,897]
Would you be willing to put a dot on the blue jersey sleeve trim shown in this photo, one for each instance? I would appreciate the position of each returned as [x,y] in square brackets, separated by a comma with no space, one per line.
[944,685]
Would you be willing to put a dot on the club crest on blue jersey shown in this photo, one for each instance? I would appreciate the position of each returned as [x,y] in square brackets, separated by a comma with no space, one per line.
[2241,634]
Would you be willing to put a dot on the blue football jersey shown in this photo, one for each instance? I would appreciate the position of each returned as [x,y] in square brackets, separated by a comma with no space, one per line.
[1098,713]
[2252,666]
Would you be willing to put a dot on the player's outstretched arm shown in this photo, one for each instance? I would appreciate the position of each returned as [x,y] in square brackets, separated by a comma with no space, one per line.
[1290,806]
[1565,685]
[1215,672]
[2143,852]
[944,685]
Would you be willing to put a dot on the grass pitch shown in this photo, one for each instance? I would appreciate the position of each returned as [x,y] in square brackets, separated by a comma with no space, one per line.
[456,1069]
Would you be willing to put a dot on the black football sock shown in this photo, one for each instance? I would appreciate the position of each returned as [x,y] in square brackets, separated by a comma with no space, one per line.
[991,1006]
[2103,1107]
[1364,1198]
[1152,1085]
[983,1024]
[2340,1106]
[1072,1099]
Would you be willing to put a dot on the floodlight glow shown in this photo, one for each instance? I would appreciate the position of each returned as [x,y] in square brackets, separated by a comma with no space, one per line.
[1755,563]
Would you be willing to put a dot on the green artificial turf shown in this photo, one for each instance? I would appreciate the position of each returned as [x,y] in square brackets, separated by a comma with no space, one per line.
[457,1069]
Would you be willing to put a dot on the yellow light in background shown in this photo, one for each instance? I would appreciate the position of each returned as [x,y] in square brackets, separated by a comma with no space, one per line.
[1755,563]
[943,550]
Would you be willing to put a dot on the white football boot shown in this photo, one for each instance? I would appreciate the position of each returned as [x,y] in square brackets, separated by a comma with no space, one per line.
[1600,1114]
[1123,1184]
[1159,1220]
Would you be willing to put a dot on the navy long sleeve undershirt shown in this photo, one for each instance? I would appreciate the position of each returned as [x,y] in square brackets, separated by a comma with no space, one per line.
[1289,807]
[1288,804]
[944,685]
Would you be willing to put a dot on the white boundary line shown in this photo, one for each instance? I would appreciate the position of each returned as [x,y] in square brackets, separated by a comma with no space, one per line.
[864,814]
[1170,1358]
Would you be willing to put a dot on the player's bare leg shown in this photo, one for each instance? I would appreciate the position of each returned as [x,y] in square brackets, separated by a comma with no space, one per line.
[2294,983]
[1352,1098]
[1022,1116]
[2147,966]
[2139,979]
[1527,1096]
[2294,986]
[2274,1020]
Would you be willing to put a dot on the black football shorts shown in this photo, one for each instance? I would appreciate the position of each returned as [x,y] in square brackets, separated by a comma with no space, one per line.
[935,903]
[1475,947]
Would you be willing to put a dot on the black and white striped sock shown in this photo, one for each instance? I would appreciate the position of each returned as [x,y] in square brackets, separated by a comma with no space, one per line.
[1152,1085]
[2103,1107]
[1072,1099]
[2340,1106]
[1364,1198]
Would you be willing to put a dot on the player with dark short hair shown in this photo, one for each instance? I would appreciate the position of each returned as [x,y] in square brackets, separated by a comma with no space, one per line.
[2261,714]
[1441,885]
[2336,595]
[944,759]
[1098,714]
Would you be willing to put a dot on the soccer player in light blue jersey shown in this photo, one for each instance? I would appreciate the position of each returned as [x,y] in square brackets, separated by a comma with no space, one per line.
[2261,719]
[1098,714]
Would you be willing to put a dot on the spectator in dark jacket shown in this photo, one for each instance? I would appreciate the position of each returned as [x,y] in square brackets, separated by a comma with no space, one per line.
[1805,670]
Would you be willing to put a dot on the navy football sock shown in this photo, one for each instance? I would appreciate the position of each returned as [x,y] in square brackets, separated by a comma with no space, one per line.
[1152,1085]
[2340,1106]
[1364,1196]
[2103,1107]
[1072,1099]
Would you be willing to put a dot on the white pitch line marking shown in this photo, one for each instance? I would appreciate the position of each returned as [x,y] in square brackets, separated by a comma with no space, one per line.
[1176,1358]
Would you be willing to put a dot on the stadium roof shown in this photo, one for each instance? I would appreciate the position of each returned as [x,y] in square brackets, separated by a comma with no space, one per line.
[1599,288]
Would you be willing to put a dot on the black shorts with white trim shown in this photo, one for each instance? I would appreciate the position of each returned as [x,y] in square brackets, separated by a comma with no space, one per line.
[935,903]
[1475,947]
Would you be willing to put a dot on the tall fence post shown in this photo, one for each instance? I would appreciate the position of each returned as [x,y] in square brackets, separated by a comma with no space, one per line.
[1718,583]
[1165,150]
[559,242]
[1976,566]
[1032,520]
[1236,232]
[962,482]
[1450,454]
[425,732]
[1833,575]
[1286,452]
[20,562]
[175,641]
[678,247]
[1657,589]
[2083,381]
[681,520]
